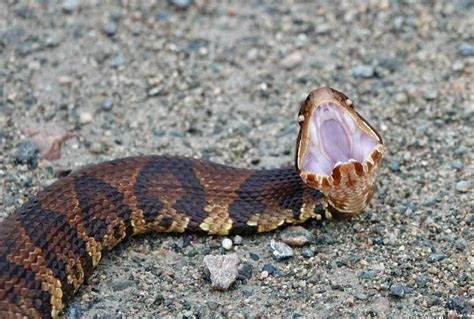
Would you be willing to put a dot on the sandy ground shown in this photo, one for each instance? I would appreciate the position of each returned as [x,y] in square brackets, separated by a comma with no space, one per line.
[223,81]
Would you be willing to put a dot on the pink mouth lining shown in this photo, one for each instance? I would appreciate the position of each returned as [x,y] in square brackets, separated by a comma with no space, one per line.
[335,138]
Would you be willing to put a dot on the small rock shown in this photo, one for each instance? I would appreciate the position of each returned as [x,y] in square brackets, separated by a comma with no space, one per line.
[245,271]
[254,256]
[70,5]
[394,166]
[297,236]
[181,4]
[237,240]
[350,302]
[367,274]
[458,304]
[85,118]
[154,91]
[280,251]
[307,252]
[381,306]
[226,243]
[435,257]
[271,270]
[401,98]
[117,61]
[397,290]
[53,40]
[49,139]
[463,186]
[460,244]
[292,60]
[73,311]
[110,28]
[466,49]
[27,153]
[457,165]
[361,296]
[106,105]
[363,71]
[119,285]
[64,80]
[390,63]
[471,302]
[422,280]
[430,95]
[223,270]
[457,66]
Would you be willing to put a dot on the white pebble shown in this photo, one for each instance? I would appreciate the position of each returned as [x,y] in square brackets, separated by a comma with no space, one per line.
[85,117]
[226,243]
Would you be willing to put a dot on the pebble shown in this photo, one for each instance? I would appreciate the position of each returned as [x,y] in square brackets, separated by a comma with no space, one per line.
[70,6]
[381,306]
[85,118]
[458,304]
[363,71]
[271,270]
[226,243]
[460,244]
[181,4]
[457,165]
[367,274]
[350,302]
[435,257]
[223,270]
[307,252]
[120,284]
[254,256]
[237,240]
[297,236]
[397,290]
[27,153]
[401,98]
[110,28]
[430,95]
[466,49]
[422,280]
[280,251]
[463,186]
[394,166]
[73,311]
[292,60]
[154,91]
[117,61]
[246,270]
[106,104]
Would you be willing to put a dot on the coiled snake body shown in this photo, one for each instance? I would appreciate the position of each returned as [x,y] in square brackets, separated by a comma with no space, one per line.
[50,244]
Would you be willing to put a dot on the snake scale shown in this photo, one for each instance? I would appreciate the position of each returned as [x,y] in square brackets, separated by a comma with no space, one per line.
[53,242]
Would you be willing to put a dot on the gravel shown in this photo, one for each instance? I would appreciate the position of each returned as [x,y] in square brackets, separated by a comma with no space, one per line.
[223,270]
[280,250]
[223,81]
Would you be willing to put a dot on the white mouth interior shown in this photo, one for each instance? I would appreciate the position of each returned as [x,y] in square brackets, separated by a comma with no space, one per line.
[335,138]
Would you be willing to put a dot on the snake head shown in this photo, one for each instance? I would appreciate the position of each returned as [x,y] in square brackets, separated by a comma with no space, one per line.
[338,151]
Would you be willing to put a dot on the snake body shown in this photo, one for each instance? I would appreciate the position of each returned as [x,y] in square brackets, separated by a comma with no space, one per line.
[53,242]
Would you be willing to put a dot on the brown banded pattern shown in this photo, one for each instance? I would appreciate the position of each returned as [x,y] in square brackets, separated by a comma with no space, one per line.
[53,242]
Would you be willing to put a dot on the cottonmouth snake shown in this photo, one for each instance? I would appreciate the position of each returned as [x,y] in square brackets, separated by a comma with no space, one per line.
[50,244]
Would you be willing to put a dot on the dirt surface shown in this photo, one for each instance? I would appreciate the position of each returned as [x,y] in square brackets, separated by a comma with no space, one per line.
[223,81]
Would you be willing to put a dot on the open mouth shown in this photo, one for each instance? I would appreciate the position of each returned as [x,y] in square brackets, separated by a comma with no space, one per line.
[338,152]
[335,137]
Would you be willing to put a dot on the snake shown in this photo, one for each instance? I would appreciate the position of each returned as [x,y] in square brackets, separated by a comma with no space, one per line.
[52,243]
